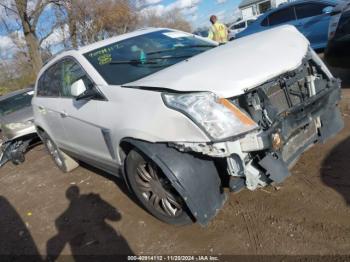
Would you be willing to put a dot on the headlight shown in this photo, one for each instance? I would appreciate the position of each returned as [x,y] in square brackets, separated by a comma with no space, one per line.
[218,117]
[16,126]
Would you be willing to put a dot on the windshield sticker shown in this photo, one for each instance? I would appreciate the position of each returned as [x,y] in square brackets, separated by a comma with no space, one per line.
[105,50]
[176,34]
[104,59]
[30,93]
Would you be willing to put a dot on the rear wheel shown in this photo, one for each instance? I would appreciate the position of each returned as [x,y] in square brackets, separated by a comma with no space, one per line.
[155,191]
[62,160]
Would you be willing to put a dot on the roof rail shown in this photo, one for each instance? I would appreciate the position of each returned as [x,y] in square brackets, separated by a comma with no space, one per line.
[145,28]
[58,53]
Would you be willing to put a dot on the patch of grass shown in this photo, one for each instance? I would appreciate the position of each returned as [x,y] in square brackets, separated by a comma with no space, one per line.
[4,90]
[16,84]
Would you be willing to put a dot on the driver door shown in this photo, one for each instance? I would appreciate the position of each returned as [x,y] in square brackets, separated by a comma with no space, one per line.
[82,120]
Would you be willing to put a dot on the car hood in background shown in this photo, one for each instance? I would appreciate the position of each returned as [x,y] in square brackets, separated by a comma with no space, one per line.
[18,116]
[235,67]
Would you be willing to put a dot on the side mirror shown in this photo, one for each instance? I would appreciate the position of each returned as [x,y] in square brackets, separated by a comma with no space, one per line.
[327,10]
[78,88]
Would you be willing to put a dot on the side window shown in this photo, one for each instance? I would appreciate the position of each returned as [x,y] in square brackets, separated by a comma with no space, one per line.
[265,22]
[71,73]
[49,82]
[309,10]
[281,16]
[249,22]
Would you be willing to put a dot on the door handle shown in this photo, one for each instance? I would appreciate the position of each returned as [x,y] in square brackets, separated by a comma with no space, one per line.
[63,114]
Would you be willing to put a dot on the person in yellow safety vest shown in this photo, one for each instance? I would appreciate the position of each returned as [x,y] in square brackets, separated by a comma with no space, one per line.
[218,31]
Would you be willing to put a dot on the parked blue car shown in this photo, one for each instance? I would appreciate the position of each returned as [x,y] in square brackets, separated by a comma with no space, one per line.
[310,17]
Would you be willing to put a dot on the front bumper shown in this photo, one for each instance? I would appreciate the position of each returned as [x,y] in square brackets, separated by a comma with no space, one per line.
[324,112]
[14,144]
[299,108]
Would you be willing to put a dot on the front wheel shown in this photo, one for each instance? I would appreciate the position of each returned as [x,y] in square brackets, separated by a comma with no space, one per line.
[154,190]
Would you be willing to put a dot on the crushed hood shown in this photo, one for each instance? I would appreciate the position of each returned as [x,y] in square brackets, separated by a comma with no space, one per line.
[229,70]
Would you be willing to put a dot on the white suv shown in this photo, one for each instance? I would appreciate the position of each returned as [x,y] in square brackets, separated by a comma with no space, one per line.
[183,118]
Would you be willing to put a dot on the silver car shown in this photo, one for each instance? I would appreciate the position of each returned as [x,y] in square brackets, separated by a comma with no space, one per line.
[17,125]
[180,118]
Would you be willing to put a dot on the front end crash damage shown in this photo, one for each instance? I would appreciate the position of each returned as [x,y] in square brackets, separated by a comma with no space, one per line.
[293,111]
[14,145]
[290,113]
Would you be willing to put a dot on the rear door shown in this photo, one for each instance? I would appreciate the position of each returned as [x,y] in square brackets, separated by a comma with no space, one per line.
[83,120]
[313,22]
[45,104]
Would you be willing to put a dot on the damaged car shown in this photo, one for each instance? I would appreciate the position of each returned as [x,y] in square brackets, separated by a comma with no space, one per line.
[17,130]
[180,118]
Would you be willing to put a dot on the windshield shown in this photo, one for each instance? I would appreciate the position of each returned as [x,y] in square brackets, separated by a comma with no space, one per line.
[134,58]
[15,103]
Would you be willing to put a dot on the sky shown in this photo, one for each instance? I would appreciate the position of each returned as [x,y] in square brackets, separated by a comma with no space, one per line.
[197,12]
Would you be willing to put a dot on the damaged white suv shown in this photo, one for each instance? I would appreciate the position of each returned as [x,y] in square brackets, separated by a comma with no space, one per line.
[182,118]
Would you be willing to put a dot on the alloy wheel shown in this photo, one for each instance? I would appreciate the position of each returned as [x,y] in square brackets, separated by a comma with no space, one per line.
[156,190]
[54,152]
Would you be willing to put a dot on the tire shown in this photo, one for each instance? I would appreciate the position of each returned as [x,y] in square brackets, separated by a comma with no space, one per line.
[154,190]
[64,162]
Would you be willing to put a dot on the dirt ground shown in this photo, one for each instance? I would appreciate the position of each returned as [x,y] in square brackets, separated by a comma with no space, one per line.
[42,210]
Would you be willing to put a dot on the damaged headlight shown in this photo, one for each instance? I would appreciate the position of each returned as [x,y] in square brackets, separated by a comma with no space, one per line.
[217,116]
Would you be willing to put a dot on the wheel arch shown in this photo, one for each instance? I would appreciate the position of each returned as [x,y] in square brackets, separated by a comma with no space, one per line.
[194,177]
[40,131]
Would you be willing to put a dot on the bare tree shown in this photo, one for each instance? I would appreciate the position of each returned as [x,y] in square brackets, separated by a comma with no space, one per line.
[91,21]
[70,8]
[170,19]
[29,21]
[15,68]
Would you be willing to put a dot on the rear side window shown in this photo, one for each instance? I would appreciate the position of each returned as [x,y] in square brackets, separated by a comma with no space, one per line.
[49,82]
[309,10]
[281,16]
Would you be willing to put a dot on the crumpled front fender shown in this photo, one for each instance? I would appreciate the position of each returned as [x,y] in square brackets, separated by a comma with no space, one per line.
[194,177]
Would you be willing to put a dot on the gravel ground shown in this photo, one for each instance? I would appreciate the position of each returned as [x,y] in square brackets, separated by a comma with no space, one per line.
[44,211]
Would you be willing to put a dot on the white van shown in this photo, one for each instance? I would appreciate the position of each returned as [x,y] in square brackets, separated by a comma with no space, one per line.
[239,27]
